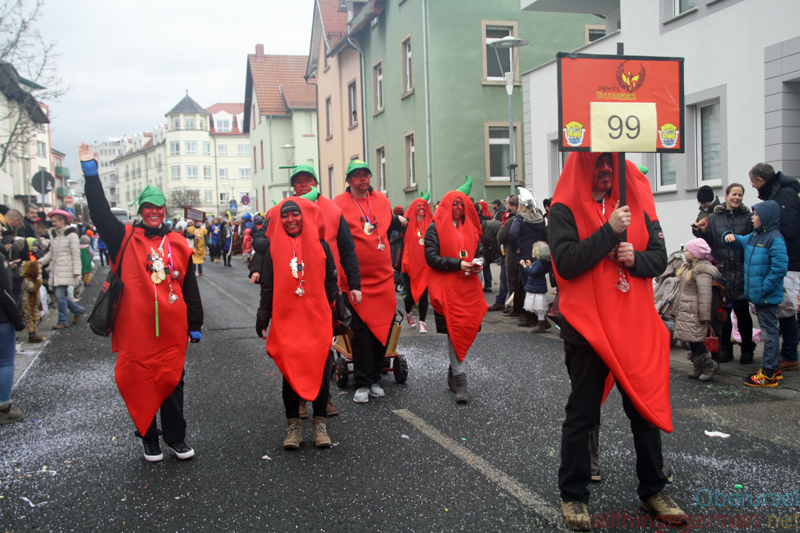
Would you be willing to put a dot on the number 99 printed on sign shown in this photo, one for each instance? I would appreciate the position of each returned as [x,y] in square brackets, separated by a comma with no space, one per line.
[618,127]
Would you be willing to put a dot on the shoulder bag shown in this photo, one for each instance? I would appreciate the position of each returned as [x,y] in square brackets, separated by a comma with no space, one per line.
[101,321]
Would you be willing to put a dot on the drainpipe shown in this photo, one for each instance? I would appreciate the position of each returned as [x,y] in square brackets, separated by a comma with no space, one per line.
[271,165]
[363,100]
[427,95]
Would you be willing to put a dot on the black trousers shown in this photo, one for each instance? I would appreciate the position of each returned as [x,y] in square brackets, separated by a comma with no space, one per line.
[104,260]
[408,299]
[291,400]
[587,374]
[173,425]
[745,320]
[368,352]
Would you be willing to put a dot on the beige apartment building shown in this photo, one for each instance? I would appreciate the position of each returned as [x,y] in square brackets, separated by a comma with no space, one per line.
[336,65]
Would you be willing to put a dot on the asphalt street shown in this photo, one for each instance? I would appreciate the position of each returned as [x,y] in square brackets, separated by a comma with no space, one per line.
[411,461]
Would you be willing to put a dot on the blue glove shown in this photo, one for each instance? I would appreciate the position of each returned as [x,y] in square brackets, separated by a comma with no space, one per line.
[89,168]
[195,336]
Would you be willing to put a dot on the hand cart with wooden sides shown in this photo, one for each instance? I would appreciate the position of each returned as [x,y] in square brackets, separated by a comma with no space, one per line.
[393,362]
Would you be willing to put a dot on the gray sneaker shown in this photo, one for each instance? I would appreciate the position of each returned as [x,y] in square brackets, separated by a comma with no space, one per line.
[361,395]
[376,391]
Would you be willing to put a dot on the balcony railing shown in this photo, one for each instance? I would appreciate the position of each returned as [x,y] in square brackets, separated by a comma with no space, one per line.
[62,171]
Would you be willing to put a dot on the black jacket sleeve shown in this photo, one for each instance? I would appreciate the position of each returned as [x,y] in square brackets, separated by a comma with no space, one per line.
[571,255]
[194,305]
[108,226]
[331,284]
[7,303]
[432,256]
[347,255]
[260,248]
[264,314]
[653,261]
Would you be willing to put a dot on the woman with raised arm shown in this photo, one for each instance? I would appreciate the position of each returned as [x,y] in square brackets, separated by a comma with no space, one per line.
[159,311]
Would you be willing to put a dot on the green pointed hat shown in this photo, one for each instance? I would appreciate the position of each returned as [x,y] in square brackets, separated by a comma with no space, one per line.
[643,169]
[303,168]
[426,195]
[151,195]
[312,195]
[467,187]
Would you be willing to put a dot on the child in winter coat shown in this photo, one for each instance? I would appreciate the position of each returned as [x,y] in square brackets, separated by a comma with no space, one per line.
[31,303]
[536,284]
[86,260]
[247,245]
[692,309]
[765,264]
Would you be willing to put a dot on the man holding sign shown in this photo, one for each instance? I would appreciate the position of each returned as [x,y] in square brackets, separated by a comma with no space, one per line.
[605,282]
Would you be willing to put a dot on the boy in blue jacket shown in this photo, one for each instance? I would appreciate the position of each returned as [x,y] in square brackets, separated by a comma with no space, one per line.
[765,265]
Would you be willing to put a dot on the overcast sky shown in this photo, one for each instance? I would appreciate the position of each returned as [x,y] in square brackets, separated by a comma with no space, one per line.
[127,63]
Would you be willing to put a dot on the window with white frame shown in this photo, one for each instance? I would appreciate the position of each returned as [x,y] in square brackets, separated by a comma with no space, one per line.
[188,122]
[222,125]
[222,150]
[174,148]
[244,173]
[682,6]
[209,196]
[41,149]
[408,78]
[207,172]
[202,124]
[499,152]
[380,158]
[411,161]
[494,32]
[191,172]
[176,123]
[223,173]
[224,197]
[352,104]
[328,118]
[244,149]
[709,142]
[175,172]
[190,147]
[666,172]
[206,147]
[594,32]
[377,85]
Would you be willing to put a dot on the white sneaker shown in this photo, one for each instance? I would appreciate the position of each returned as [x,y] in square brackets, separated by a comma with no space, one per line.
[422,327]
[376,390]
[410,319]
[361,395]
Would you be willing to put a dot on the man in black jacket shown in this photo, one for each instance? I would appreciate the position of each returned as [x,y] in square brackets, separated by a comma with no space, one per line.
[784,189]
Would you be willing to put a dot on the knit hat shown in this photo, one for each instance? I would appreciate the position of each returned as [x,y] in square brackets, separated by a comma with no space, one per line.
[289,206]
[699,248]
[705,194]
[398,210]
[85,239]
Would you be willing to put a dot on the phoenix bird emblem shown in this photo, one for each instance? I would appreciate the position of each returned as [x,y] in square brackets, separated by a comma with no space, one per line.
[628,80]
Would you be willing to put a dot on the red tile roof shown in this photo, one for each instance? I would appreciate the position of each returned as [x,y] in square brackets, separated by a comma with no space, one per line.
[232,109]
[333,21]
[272,72]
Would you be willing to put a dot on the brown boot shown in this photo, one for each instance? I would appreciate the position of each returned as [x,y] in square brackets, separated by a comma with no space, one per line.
[294,435]
[539,328]
[303,409]
[33,338]
[460,381]
[9,415]
[576,515]
[321,438]
[331,409]
[451,383]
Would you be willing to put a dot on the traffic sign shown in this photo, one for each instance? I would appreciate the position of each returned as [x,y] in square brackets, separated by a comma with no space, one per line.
[43,182]
[69,200]
[233,207]
[245,200]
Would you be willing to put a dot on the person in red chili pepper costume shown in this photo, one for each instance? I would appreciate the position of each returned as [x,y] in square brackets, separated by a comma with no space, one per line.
[298,285]
[455,258]
[159,311]
[369,215]
[414,267]
[601,279]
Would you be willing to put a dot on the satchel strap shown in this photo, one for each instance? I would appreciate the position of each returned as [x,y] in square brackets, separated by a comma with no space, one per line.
[121,253]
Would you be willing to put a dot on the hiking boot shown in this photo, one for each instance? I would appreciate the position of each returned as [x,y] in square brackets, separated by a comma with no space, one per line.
[539,328]
[661,504]
[320,432]
[303,409]
[451,382]
[460,381]
[9,415]
[710,367]
[181,450]
[761,379]
[527,322]
[361,395]
[331,409]
[547,324]
[423,328]
[495,307]
[33,338]
[576,515]
[59,326]
[788,366]
[152,450]
[294,434]
[78,317]
[376,391]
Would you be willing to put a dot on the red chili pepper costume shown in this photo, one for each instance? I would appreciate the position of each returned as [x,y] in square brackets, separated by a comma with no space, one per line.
[414,251]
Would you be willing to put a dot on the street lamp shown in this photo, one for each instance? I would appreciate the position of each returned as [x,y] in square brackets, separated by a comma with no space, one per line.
[509,43]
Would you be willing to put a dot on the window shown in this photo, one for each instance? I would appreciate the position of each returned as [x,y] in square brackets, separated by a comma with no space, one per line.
[188,122]
[255,161]
[262,154]
[594,32]
[411,161]
[206,147]
[328,119]
[408,80]
[191,147]
[222,150]
[496,71]
[175,171]
[709,143]
[243,149]
[244,173]
[667,172]
[498,150]
[174,148]
[41,149]
[222,126]
[682,6]
[327,62]
[209,196]
[380,158]
[377,87]
[191,172]
[223,173]
[202,124]
[41,129]
[176,123]
[223,197]
[207,172]
[352,102]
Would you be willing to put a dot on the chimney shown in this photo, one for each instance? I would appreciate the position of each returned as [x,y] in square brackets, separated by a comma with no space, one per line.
[259,51]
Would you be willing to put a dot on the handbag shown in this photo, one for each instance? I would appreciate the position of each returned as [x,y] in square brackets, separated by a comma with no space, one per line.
[712,341]
[101,321]
[554,314]
[342,317]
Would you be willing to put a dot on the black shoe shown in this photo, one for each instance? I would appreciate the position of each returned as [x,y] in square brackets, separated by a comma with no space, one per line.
[724,355]
[181,450]
[746,358]
[152,450]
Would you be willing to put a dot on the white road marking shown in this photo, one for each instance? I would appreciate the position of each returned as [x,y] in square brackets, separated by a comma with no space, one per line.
[503,480]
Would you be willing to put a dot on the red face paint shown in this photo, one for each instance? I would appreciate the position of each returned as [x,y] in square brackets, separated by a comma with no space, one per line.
[458,208]
[302,183]
[152,215]
[292,222]
[421,210]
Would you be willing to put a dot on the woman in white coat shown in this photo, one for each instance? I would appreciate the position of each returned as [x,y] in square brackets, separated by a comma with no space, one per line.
[65,255]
